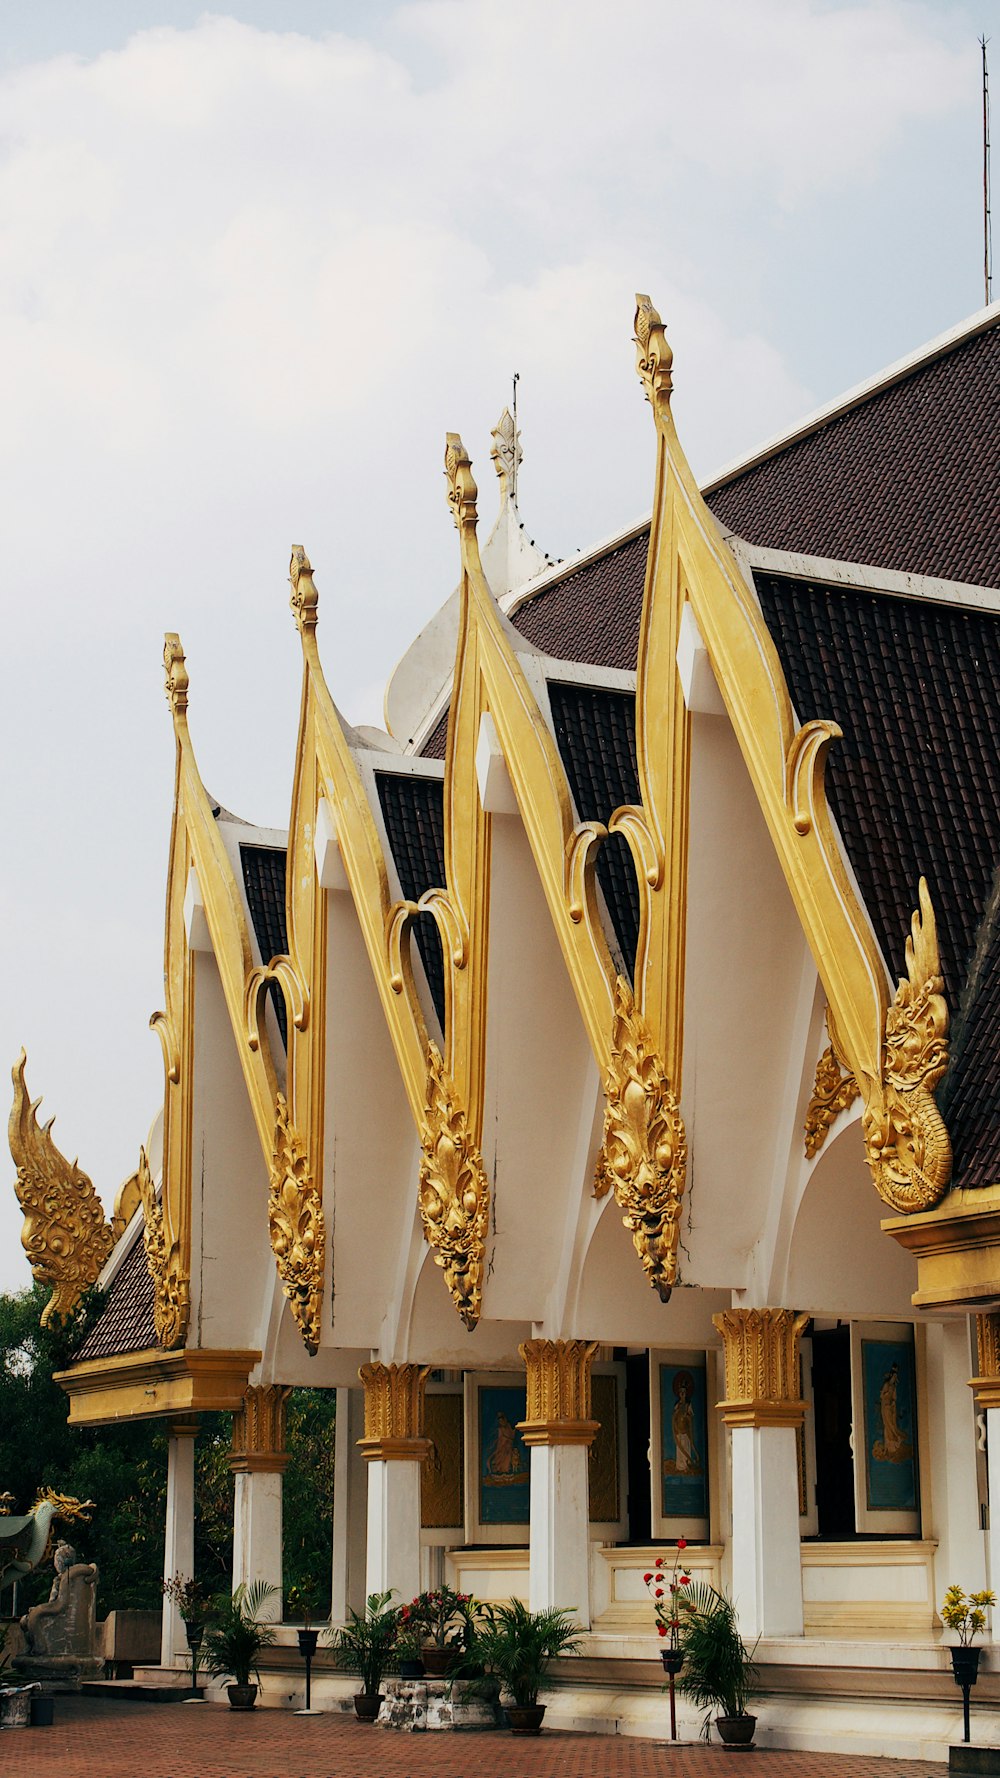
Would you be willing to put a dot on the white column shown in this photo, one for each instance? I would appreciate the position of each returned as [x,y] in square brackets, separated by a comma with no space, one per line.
[178,1544]
[559,1431]
[394,1527]
[350,1508]
[951,1502]
[257,1534]
[766,1549]
[559,1571]
[986,1399]
[764,1408]
[394,1447]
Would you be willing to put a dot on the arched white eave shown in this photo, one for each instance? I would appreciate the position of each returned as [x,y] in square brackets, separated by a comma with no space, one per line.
[839,1261]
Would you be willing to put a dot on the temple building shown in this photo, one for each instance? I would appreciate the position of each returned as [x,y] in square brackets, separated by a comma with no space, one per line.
[597,1084]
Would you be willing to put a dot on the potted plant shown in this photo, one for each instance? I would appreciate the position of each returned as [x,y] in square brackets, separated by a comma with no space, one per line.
[195,1608]
[718,1673]
[236,1638]
[409,1644]
[300,1602]
[516,1646]
[967,1616]
[667,1595]
[366,1645]
[443,1616]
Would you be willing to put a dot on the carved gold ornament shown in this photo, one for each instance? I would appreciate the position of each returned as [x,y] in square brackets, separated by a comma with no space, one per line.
[908,1148]
[558,1400]
[171,1286]
[65,1235]
[763,1382]
[643,1157]
[258,1438]
[394,1412]
[454,1192]
[833,1091]
[297,1227]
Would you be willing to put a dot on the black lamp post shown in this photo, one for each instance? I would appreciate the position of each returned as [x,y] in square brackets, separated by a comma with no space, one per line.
[194,1633]
[965,1667]
[673,1661]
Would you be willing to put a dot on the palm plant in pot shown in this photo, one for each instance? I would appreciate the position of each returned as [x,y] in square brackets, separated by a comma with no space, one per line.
[516,1646]
[235,1640]
[366,1645]
[718,1673]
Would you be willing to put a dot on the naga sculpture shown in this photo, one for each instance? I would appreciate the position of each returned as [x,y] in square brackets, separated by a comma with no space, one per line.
[908,1148]
[26,1538]
[454,1192]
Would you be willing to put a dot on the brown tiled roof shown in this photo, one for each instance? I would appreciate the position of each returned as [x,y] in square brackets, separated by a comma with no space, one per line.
[908,479]
[595,733]
[970,1094]
[913,783]
[126,1321]
[413,811]
[593,614]
[264,881]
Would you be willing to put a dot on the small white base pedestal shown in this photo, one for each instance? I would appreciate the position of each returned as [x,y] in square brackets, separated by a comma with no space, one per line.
[417,1704]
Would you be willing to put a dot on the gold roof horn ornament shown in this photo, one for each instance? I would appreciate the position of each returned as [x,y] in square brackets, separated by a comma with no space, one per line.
[171,1290]
[906,1141]
[643,1157]
[834,1090]
[297,1227]
[454,1192]
[65,1234]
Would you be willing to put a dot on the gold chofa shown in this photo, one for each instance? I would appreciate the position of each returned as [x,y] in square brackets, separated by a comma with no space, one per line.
[905,1137]
[171,1287]
[65,1235]
[454,1192]
[643,1157]
[297,1227]
[833,1091]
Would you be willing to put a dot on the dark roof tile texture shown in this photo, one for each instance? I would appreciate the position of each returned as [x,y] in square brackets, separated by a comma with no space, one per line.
[126,1321]
[413,811]
[970,1093]
[264,881]
[593,614]
[595,734]
[907,480]
[913,783]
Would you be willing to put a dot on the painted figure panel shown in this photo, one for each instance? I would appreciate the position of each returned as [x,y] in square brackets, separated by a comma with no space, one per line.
[889,1385]
[684,1440]
[504,1459]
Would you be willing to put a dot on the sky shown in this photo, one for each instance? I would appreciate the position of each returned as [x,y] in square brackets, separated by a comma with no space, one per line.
[255,263]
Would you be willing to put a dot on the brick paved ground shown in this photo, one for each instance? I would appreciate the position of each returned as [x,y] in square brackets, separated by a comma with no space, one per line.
[98,1738]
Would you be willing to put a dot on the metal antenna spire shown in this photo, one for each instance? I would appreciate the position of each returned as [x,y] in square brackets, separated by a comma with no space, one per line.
[987,220]
[513,472]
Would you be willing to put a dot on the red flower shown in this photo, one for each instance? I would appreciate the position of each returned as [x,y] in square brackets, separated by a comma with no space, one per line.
[685,1580]
[675,1623]
[647,1578]
[659,1593]
[682,1543]
[661,1629]
[659,1562]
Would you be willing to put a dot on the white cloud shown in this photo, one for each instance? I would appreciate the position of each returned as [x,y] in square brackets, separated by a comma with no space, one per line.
[247,281]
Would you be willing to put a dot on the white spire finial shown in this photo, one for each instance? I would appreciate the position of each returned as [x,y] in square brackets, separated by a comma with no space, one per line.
[507,454]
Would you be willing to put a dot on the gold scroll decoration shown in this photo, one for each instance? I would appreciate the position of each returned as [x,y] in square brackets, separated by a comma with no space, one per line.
[171,1285]
[907,1144]
[394,1412]
[258,1439]
[297,1227]
[763,1379]
[833,1092]
[65,1235]
[454,1193]
[558,1406]
[985,1385]
[643,1157]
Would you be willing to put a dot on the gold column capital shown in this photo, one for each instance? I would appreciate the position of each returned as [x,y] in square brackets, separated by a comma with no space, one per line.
[985,1385]
[394,1413]
[558,1380]
[763,1387]
[258,1442]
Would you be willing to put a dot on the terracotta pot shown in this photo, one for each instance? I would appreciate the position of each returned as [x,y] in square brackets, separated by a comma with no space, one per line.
[438,1662]
[736,1731]
[367,1705]
[242,1697]
[525,1719]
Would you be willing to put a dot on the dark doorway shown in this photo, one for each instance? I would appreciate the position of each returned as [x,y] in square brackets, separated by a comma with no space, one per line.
[640,1525]
[831,1373]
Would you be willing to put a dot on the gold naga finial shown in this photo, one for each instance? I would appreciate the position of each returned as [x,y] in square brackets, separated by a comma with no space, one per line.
[297,1227]
[507,453]
[653,355]
[176,684]
[171,1289]
[908,1147]
[304,599]
[65,1235]
[462,490]
[643,1157]
[454,1194]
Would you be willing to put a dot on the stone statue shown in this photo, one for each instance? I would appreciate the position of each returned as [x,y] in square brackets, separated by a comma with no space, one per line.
[62,1634]
[26,1539]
